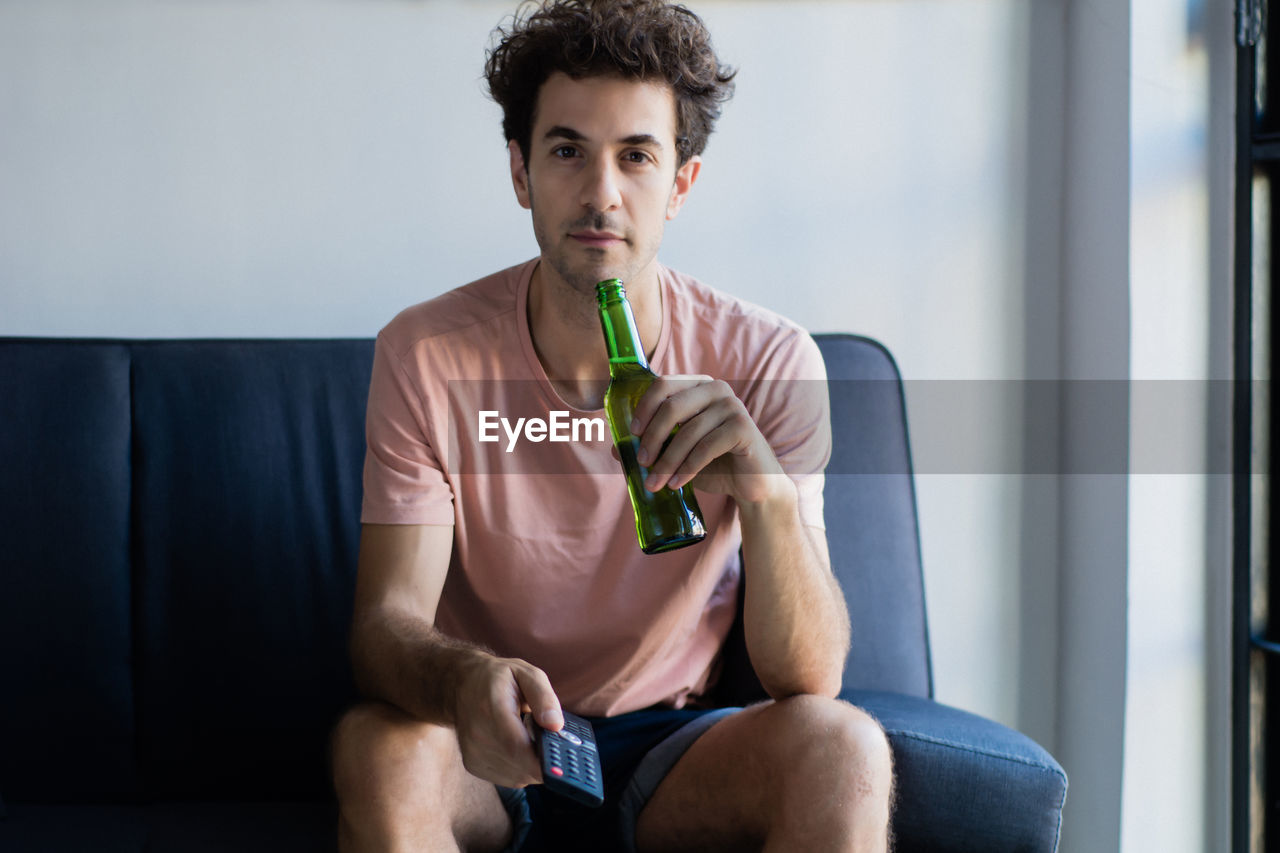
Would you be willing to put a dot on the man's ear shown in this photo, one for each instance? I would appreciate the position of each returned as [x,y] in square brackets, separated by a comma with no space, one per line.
[685,177]
[519,174]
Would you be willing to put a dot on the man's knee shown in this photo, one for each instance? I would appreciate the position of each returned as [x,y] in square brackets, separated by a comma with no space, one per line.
[836,745]
[862,738]
[401,784]
[375,747]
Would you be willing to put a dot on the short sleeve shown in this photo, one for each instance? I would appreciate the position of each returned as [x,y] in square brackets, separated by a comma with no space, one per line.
[790,406]
[404,481]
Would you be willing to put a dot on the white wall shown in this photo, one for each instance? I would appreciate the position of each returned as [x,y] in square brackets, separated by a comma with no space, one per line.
[308,168]
[949,176]
[209,168]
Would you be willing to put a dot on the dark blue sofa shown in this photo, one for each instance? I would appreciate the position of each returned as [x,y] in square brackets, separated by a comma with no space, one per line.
[179,523]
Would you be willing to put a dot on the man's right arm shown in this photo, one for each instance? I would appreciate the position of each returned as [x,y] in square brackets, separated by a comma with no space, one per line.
[400,658]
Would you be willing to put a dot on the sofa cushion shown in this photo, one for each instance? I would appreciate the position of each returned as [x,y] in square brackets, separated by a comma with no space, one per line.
[966,784]
[248,458]
[66,680]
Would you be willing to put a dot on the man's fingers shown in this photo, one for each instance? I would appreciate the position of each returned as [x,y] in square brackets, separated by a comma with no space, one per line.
[503,754]
[511,770]
[662,388]
[713,401]
[496,745]
[676,467]
[677,451]
[696,412]
[541,698]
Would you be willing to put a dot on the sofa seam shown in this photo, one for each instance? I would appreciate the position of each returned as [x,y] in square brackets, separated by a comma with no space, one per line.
[1062,803]
[134,586]
[1040,765]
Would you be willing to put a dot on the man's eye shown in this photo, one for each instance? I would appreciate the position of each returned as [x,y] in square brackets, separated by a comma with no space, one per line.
[565,152]
[636,157]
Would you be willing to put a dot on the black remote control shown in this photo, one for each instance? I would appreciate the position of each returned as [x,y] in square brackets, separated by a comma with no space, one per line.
[570,760]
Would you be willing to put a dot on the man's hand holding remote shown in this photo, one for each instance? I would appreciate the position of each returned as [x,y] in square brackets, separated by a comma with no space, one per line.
[495,744]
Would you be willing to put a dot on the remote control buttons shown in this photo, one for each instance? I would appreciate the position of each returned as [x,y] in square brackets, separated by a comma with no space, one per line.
[570,761]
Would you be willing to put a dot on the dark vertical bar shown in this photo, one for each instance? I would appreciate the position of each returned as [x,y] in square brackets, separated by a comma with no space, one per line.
[1264,120]
[1262,542]
[1242,464]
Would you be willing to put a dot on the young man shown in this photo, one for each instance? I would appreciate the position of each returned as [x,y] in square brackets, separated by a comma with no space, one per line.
[482,593]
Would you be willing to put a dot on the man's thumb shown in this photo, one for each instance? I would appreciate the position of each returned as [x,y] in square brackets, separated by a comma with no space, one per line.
[542,700]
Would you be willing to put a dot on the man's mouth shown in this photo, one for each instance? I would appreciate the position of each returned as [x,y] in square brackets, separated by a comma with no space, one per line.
[598,239]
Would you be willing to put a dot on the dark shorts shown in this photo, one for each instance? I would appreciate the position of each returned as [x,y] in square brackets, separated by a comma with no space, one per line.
[637,750]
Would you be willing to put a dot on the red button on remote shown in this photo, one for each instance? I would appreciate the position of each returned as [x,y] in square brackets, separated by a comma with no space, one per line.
[557,771]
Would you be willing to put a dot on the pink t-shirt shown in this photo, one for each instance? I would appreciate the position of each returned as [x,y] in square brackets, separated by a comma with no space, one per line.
[545,563]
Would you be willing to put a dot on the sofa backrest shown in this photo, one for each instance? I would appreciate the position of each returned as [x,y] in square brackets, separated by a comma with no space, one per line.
[67,711]
[180,522]
[246,461]
[182,519]
[872,528]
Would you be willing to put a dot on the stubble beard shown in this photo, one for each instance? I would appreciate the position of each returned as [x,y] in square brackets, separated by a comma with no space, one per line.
[581,273]
[582,277]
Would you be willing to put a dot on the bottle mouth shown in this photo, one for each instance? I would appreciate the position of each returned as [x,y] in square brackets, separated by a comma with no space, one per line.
[610,289]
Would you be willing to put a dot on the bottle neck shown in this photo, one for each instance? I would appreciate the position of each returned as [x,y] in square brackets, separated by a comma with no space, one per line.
[621,338]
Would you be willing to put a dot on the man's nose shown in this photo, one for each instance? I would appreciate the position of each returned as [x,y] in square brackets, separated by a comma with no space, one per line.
[600,189]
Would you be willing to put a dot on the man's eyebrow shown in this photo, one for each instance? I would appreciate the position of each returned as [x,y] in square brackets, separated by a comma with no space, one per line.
[643,139]
[559,131]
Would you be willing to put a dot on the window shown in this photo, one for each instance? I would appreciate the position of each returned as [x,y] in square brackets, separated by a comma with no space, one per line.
[1256,641]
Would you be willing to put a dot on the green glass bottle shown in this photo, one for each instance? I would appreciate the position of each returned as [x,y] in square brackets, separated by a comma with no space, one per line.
[668,518]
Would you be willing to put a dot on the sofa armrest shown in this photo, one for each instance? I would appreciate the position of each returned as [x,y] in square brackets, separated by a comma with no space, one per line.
[965,783]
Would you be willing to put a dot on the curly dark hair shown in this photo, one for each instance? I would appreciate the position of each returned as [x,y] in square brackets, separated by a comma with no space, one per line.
[637,39]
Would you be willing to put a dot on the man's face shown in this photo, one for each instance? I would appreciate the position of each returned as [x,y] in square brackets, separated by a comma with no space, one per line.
[601,179]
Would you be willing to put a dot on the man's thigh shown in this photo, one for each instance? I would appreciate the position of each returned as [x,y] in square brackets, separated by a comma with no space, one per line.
[743,778]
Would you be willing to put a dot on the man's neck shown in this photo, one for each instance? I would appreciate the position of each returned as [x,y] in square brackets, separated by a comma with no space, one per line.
[565,326]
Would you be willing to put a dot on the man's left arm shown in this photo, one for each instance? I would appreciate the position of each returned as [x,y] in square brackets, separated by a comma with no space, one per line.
[795,619]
